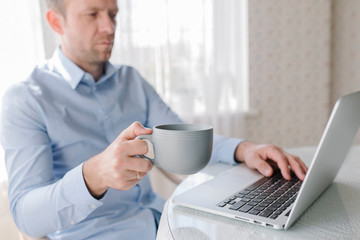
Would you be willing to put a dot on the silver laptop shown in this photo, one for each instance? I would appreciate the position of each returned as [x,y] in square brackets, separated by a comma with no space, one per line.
[244,194]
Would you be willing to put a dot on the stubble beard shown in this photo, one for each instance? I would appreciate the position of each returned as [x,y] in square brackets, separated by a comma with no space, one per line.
[97,57]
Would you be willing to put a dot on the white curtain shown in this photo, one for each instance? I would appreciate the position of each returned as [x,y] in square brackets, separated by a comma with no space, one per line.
[21,46]
[193,52]
[21,42]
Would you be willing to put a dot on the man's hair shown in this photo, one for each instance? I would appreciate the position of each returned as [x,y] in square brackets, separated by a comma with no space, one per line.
[58,5]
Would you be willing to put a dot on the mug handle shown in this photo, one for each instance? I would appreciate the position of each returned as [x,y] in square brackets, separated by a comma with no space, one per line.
[150,155]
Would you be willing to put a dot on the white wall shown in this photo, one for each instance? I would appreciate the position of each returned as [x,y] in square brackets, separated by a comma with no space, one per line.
[346,48]
[290,83]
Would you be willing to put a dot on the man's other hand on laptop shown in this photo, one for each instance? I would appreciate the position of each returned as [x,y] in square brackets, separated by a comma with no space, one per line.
[264,157]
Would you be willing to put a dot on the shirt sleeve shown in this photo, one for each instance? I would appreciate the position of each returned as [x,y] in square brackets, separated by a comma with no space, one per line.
[224,149]
[160,113]
[40,203]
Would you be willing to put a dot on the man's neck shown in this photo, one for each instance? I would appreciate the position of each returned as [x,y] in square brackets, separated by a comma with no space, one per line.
[96,69]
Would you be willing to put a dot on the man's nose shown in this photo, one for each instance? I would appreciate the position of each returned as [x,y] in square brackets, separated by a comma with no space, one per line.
[108,24]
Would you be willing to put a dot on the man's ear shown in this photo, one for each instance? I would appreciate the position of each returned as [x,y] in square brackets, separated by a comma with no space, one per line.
[55,20]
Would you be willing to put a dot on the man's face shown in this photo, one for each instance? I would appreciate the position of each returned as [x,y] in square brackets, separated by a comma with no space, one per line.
[89,30]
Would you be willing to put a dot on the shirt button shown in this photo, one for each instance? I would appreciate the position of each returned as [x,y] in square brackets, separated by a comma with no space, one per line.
[93,206]
[106,116]
[72,222]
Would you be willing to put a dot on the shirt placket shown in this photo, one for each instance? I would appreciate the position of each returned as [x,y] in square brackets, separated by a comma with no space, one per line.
[105,112]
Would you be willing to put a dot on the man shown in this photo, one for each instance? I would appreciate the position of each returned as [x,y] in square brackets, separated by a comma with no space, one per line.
[69,136]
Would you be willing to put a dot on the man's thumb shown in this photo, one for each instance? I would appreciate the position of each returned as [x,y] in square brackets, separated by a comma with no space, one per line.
[134,130]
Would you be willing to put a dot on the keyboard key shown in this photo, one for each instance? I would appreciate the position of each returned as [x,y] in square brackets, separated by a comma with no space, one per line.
[239,195]
[263,204]
[250,196]
[267,197]
[265,213]
[266,193]
[276,205]
[268,202]
[281,200]
[254,212]
[261,197]
[244,192]
[259,208]
[245,208]
[246,200]
[257,184]
[257,191]
[271,208]
[252,203]
[254,194]
[237,205]
[283,208]
[256,200]
[278,212]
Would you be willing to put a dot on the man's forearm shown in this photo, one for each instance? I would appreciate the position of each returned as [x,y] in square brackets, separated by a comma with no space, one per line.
[224,149]
[90,172]
[53,207]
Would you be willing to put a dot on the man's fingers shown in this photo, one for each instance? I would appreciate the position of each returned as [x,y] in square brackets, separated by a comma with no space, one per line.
[130,148]
[138,175]
[304,167]
[264,157]
[129,184]
[262,166]
[276,155]
[127,150]
[297,166]
[133,131]
[137,164]
[131,175]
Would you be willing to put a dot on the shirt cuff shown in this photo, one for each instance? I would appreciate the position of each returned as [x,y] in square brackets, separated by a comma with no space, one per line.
[77,194]
[224,149]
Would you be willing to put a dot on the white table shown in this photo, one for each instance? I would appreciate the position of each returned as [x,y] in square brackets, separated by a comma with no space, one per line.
[335,215]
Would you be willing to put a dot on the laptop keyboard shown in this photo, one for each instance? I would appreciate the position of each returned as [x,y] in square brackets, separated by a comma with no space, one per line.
[268,197]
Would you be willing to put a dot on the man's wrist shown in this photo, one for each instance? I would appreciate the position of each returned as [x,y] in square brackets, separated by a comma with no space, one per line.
[240,151]
[92,182]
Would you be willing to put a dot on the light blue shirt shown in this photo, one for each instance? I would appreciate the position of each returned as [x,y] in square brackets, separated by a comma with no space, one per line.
[57,119]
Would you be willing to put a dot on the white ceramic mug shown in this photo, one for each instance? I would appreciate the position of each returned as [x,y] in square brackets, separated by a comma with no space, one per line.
[179,148]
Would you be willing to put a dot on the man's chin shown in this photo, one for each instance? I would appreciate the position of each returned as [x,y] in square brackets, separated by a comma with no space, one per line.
[105,56]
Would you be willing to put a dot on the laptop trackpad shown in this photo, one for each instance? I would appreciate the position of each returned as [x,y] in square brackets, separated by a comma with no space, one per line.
[223,185]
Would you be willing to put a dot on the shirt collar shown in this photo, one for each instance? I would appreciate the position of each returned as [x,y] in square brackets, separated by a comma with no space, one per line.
[72,73]
[110,70]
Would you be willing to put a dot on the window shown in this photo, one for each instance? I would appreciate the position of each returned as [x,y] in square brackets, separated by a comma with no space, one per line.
[21,46]
[193,52]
